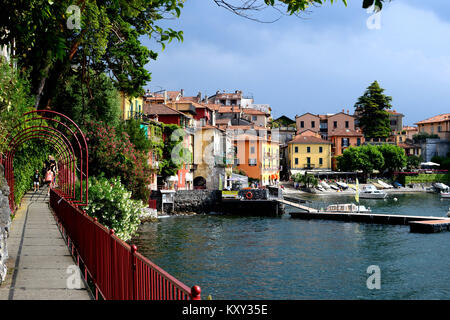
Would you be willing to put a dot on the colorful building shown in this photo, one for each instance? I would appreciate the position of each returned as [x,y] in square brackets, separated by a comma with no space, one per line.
[130,107]
[341,139]
[308,151]
[439,125]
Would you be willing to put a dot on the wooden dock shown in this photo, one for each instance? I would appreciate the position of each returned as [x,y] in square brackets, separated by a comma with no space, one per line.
[430,226]
[297,205]
[421,224]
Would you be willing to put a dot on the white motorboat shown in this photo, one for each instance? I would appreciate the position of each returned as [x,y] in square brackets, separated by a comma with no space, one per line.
[342,185]
[371,192]
[445,195]
[347,208]
[440,187]
[332,186]
[325,185]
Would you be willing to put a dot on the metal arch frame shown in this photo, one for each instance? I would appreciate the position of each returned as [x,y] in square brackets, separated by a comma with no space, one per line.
[69,142]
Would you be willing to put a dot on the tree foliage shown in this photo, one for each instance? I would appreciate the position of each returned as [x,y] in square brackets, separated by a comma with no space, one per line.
[136,134]
[394,157]
[49,43]
[365,158]
[111,154]
[371,112]
[175,154]
[82,103]
[413,162]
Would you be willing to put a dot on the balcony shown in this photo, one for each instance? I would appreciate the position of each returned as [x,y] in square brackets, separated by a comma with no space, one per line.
[308,166]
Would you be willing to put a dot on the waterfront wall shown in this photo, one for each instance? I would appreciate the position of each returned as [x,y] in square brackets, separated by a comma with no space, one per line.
[188,201]
[5,223]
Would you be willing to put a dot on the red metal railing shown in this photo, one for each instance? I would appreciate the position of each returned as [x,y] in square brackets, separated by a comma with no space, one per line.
[152,204]
[117,270]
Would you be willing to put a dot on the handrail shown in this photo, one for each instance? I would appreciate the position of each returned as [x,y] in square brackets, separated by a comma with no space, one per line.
[117,270]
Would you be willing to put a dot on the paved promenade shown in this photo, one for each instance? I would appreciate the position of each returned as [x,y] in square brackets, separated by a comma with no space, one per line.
[38,257]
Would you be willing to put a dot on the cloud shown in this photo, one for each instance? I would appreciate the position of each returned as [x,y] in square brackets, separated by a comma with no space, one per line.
[318,65]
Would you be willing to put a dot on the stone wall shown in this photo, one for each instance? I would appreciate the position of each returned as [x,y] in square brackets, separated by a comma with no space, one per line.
[5,223]
[188,201]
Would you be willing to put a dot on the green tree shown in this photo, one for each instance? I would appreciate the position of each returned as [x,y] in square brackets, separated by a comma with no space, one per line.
[97,102]
[48,41]
[413,162]
[174,153]
[365,158]
[136,134]
[423,136]
[371,113]
[394,157]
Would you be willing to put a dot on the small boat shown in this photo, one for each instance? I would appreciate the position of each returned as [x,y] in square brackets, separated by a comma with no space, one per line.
[342,185]
[371,192]
[332,186]
[325,185]
[320,188]
[445,195]
[440,187]
[385,185]
[347,208]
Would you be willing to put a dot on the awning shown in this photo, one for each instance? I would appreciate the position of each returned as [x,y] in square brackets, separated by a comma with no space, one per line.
[172,178]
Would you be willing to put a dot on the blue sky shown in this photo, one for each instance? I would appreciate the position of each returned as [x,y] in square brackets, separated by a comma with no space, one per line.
[320,64]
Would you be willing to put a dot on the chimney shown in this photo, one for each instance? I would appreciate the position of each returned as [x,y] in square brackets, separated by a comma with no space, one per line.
[182,92]
[165,96]
[343,110]
[199,97]
[348,112]
[206,98]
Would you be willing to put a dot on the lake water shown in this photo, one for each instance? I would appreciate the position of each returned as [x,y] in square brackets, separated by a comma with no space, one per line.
[242,257]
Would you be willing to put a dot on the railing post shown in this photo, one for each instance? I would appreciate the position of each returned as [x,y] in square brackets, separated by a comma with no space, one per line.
[133,271]
[195,293]
[112,263]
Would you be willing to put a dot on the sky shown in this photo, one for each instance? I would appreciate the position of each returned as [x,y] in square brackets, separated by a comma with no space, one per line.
[320,63]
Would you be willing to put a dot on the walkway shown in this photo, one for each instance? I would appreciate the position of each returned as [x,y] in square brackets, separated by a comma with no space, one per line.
[39,260]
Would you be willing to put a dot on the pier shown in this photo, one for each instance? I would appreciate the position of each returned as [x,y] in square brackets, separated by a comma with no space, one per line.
[421,224]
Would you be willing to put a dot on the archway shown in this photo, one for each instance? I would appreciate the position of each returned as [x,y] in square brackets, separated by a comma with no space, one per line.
[199,183]
[69,144]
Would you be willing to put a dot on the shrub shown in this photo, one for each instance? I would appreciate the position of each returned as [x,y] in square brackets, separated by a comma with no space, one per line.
[113,155]
[112,205]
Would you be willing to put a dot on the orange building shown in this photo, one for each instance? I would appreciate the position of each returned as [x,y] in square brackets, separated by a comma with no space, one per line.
[341,139]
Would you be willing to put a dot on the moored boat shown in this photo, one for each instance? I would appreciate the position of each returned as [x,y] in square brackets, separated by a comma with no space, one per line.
[371,192]
[445,195]
[347,207]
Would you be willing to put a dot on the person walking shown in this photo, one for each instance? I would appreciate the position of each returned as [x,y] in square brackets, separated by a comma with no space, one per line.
[49,175]
[36,180]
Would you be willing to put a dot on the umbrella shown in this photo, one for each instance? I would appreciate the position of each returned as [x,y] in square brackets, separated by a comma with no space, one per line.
[429,164]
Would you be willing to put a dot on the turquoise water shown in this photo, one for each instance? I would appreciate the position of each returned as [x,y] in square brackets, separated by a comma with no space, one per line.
[241,257]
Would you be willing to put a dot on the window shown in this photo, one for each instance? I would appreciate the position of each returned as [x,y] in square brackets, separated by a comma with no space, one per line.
[308,160]
[439,129]
[320,161]
[346,124]
[308,149]
[254,118]
[358,141]
[302,124]
[335,124]
[296,149]
[296,160]
[320,149]
[251,162]
[313,124]
[345,142]
[252,150]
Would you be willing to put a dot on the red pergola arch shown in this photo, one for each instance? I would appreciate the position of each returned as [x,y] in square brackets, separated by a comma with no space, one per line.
[69,143]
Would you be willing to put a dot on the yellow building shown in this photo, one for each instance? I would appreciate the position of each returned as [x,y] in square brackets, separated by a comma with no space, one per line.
[131,107]
[308,151]
[270,161]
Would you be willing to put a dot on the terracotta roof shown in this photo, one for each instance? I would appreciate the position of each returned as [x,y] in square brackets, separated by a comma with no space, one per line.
[229,109]
[345,133]
[208,126]
[440,118]
[253,111]
[213,106]
[410,128]
[223,121]
[246,127]
[160,109]
[299,139]
[394,112]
